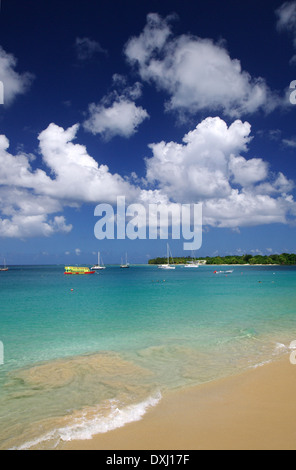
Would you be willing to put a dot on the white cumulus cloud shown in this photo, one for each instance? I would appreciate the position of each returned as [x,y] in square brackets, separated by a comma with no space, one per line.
[116,114]
[14,83]
[121,118]
[207,167]
[78,176]
[244,208]
[32,200]
[198,168]
[247,172]
[196,73]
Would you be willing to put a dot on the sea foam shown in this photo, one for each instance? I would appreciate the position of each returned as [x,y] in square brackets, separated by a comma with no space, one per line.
[92,422]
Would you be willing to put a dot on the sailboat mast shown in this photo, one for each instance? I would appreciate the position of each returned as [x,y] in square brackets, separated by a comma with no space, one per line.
[168,253]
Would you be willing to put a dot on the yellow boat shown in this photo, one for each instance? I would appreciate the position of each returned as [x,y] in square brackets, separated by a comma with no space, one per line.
[77,270]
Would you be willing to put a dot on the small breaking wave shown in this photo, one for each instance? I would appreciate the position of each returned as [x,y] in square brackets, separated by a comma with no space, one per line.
[280,349]
[89,422]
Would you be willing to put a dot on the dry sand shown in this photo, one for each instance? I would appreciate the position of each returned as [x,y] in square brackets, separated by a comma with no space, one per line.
[253,410]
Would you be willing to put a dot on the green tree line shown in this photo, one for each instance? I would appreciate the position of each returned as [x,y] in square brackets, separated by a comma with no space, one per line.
[283,259]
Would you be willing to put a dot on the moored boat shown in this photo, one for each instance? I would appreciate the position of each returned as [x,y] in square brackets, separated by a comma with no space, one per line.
[78,270]
[100,264]
[168,265]
[126,264]
[191,264]
[5,268]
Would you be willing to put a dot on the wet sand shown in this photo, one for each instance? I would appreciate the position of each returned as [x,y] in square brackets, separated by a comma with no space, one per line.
[253,410]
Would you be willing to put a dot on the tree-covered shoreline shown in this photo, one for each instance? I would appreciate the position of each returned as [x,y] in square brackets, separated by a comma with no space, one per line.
[285,259]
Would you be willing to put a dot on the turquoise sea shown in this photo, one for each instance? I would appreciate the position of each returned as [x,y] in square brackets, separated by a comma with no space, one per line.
[86,354]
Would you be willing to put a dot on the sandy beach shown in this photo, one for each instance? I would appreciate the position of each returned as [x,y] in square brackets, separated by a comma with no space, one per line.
[254,410]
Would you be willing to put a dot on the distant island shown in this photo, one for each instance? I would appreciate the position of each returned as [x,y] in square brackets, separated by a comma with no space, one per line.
[285,259]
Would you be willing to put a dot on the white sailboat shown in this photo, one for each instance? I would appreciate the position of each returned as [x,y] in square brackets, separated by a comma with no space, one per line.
[100,264]
[168,265]
[4,267]
[126,265]
[192,264]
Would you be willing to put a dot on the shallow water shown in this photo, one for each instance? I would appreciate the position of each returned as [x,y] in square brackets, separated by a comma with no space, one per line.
[86,354]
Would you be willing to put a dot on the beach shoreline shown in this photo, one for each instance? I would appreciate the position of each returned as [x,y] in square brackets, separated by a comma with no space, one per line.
[254,410]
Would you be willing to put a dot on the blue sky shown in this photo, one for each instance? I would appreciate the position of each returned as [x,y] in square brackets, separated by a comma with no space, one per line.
[174,102]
